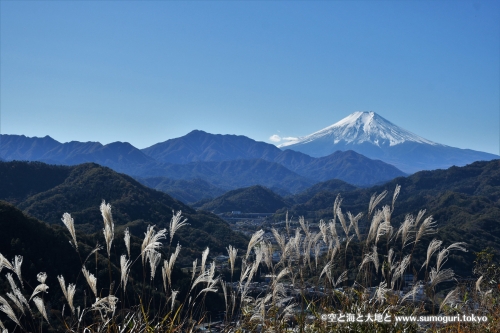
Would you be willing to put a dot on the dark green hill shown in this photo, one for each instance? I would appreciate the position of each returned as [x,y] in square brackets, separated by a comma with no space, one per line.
[254,199]
[134,205]
[44,249]
[19,180]
[332,185]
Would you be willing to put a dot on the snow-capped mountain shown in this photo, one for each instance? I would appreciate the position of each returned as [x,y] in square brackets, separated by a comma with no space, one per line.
[360,127]
[375,137]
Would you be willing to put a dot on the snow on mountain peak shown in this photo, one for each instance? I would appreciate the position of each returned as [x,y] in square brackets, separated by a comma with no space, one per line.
[360,127]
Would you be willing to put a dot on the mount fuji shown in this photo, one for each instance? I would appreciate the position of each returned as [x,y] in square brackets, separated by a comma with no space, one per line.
[375,137]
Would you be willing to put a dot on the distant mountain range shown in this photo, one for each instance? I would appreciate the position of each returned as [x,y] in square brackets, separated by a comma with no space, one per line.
[224,161]
[371,135]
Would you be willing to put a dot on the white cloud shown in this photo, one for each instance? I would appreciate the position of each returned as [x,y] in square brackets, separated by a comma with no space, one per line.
[289,138]
[275,138]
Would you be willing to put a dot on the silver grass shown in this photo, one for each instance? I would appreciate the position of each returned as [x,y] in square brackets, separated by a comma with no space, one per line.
[16,301]
[386,210]
[384,228]
[380,292]
[176,224]
[91,280]
[281,274]
[97,248]
[280,239]
[354,222]
[375,200]
[210,287]
[420,214]
[41,307]
[109,226]
[12,283]
[323,228]
[412,293]
[244,275]
[304,226]
[478,284]
[451,298]
[460,246]
[204,277]
[195,264]
[426,228]
[107,303]
[287,224]
[40,288]
[267,254]
[70,224]
[126,238]
[5,263]
[400,269]
[390,256]
[18,261]
[232,253]
[395,195]
[375,257]
[376,219]
[442,257]
[255,266]
[151,241]
[433,247]
[168,266]
[7,309]
[41,277]
[317,249]
[335,250]
[2,326]
[342,277]
[371,257]
[173,297]
[336,206]
[17,293]
[436,277]
[69,292]
[342,220]
[224,290]
[348,240]
[326,269]
[256,238]
[204,257]
[124,270]
[333,231]
[296,242]
[154,259]
[405,229]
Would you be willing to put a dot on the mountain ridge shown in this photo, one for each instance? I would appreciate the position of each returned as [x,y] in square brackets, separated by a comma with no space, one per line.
[227,161]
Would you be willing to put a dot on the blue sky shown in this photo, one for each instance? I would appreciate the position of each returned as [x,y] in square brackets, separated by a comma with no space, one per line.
[145,72]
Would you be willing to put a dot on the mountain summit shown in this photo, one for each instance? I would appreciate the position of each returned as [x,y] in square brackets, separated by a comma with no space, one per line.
[360,127]
[371,135]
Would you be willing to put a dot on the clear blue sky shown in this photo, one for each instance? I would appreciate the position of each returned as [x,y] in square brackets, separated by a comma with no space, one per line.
[147,71]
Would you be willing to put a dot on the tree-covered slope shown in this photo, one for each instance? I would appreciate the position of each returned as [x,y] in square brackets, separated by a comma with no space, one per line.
[254,199]
[133,205]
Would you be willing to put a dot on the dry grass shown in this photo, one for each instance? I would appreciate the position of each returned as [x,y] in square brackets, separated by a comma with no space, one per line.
[335,271]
